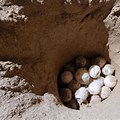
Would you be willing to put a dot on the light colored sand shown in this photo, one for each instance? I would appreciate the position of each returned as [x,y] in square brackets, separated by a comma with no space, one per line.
[27,106]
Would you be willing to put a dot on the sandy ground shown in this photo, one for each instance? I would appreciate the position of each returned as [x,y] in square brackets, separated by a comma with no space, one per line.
[19,99]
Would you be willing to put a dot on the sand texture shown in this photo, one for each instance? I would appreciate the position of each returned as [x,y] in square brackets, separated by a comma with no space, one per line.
[37,38]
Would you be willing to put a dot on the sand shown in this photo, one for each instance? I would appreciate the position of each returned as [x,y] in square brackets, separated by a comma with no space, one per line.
[42,38]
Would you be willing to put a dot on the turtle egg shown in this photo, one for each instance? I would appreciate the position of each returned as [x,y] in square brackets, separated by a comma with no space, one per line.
[73,104]
[94,88]
[66,77]
[95,99]
[70,67]
[99,81]
[66,95]
[74,85]
[81,94]
[82,76]
[110,81]
[105,92]
[94,71]
[100,61]
[80,61]
[108,69]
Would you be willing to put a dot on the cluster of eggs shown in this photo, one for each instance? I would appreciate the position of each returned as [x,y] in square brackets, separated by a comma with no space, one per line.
[86,82]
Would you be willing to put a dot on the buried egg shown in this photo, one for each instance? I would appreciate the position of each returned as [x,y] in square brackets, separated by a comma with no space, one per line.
[100,61]
[66,77]
[66,95]
[73,104]
[70,67]
[80,61]
[74,85]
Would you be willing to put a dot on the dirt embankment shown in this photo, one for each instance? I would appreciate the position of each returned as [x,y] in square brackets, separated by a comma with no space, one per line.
[52,35]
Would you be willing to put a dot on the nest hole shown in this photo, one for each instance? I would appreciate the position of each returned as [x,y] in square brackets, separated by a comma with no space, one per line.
[68,89]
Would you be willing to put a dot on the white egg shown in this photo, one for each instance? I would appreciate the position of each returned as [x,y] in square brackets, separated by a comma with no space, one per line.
[105,92]
[110,81]
[95,99]
[94,71]
[94,88]
[108,69]
[99,81]
[81,94]
[82,76]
